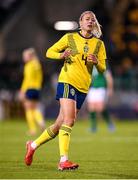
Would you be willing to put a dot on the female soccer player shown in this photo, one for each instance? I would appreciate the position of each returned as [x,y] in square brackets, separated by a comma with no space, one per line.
[30,90]
[80,51]
[100,91]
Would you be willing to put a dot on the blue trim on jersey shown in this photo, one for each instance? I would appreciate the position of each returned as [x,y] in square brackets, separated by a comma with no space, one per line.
[32,94]
[65,90]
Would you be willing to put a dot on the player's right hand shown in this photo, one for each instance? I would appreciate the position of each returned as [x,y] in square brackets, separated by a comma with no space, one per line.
[66,54]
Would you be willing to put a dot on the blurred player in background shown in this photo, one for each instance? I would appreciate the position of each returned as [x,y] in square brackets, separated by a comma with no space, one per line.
[80,51]
[30,90]
[100,91]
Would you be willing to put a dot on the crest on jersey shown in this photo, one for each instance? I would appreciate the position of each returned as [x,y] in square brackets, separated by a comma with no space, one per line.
[86,48]
[72,91]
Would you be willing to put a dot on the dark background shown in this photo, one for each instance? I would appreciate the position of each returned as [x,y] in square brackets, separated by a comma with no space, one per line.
[30,23]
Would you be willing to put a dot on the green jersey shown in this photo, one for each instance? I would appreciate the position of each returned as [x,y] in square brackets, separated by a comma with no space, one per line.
[99,79]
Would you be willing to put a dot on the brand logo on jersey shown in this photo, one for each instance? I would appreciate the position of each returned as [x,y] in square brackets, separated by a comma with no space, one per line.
[72,92]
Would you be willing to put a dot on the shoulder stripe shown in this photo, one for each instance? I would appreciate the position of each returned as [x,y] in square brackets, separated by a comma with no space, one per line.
[72,44]
[98,45]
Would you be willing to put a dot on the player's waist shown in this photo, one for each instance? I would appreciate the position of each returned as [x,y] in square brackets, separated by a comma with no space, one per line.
[34,86]
[80,85]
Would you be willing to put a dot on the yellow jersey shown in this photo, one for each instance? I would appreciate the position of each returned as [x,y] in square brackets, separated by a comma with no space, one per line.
[76,71]
[33,75]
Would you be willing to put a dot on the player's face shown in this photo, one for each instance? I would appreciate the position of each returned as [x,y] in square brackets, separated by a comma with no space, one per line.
[26,57]
[87,22]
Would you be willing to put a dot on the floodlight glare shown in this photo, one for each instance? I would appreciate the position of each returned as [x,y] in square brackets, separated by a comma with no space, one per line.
[65,25]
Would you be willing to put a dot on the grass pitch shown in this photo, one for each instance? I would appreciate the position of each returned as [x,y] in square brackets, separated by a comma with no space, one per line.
[103,155]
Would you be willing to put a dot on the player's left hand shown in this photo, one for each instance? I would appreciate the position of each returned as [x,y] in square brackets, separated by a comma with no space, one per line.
[92,58]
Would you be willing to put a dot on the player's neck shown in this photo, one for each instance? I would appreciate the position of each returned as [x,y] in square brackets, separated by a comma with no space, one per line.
[86,34]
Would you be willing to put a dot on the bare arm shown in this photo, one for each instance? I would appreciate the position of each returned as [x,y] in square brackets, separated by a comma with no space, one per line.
[110,83]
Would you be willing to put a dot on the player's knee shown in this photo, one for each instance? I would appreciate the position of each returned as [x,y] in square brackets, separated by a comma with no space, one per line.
[100,109]
[69,122]
[55,128]
[29,105]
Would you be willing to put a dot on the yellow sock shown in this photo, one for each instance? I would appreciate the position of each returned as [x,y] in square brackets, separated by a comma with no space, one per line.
[39,117]
[31,120]
[47,135]
[64,139]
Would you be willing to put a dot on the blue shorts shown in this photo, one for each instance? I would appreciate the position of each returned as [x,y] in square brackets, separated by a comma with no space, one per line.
[65,90]
[32,94]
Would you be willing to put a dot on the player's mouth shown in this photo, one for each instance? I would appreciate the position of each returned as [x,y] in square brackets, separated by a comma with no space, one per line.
[89,25]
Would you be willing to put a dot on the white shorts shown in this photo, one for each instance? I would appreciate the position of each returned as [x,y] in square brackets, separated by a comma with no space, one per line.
[97,95]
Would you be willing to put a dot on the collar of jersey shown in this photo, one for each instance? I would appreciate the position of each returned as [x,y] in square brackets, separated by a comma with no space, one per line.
[85,37]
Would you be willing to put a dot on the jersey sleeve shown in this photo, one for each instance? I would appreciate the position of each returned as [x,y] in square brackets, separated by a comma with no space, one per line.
[101,66]
[54,51]
[24,84]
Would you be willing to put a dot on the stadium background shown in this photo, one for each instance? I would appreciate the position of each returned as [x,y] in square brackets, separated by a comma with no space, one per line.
[105,155]
[31,24]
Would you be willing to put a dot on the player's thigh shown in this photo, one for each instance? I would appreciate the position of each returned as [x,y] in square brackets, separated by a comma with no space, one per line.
[68,108]
[100,106]
[30,104]
[91,106]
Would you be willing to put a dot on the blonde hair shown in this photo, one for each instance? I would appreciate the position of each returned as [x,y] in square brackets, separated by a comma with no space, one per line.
[97,28]
[30,51]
